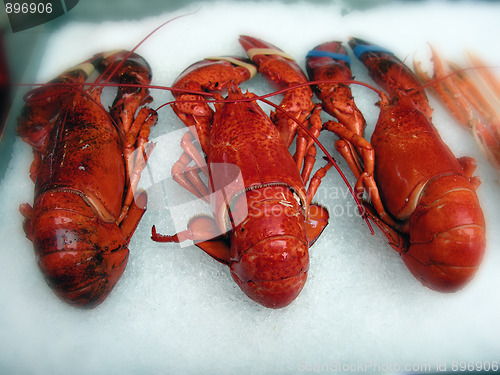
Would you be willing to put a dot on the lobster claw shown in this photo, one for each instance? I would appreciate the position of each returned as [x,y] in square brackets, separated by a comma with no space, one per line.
[325,54]
[283,72]
[390,73]
[215,74]
[277,66]
[329,62]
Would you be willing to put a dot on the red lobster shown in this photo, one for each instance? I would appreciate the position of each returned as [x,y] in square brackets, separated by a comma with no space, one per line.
[85,172]
[433,216]
[263,229]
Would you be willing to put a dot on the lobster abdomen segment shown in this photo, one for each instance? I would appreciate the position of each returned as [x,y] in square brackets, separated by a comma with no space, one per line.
[269,249]
[447,235]
[81,256]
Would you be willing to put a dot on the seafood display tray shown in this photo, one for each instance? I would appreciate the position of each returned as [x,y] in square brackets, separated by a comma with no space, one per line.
[176,310]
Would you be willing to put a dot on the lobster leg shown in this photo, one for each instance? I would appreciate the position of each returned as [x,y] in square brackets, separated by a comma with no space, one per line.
[309,161]
[137,154]
[358,141]
[27,212]
[316,181]
[318,215]
[191,150]
[304,142]
[204,232]
[486,74]
[188,177]
[136,128]
[281,70]
[134,215]
[346,150]
[316,222]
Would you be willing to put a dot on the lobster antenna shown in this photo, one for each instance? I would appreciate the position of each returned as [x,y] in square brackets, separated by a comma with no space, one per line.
[400,73]
[138,45]
[449,75]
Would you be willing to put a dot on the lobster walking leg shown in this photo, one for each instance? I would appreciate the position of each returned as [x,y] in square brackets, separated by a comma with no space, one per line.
[88,162]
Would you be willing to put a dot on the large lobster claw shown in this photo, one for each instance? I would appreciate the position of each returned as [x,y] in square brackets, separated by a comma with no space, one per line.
[283,72]
[329,62]
[390,73]
[213,74]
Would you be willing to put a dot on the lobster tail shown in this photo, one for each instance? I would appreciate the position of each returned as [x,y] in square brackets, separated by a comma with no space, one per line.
[273,272]
[270,257]
[447,235]
[81,256]
[83,278]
